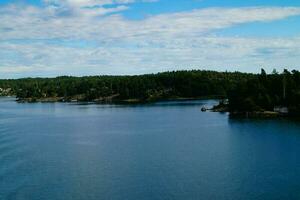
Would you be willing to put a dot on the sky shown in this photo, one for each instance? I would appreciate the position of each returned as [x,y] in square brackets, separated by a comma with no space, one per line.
[47,38]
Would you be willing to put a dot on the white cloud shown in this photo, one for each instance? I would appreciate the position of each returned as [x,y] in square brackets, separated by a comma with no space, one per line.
[15,69]
[36,23]
[90,8]
[205,52]
[38,39]
[90,3]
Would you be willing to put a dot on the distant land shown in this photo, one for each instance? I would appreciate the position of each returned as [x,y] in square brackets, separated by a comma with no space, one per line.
[247,94]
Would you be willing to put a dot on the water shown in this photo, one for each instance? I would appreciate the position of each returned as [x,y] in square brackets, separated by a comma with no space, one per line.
[162,151]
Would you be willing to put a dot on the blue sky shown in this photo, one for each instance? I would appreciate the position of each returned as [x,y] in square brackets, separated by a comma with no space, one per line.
[89,37]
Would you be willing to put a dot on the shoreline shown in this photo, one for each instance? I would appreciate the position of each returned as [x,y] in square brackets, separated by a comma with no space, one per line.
[216,108]
[109,100]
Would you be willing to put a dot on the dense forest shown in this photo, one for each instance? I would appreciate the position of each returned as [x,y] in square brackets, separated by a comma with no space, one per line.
[151,87]
[264,92]
[245,92]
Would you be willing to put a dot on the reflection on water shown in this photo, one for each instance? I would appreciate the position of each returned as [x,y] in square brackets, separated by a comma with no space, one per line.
[165,150]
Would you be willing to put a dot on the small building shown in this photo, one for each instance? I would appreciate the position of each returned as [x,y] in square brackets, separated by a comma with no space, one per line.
[281,109]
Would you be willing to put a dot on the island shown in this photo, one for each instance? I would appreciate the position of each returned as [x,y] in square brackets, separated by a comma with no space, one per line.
[241,94]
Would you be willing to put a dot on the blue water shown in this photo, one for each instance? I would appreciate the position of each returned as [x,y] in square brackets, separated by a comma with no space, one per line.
[170,150]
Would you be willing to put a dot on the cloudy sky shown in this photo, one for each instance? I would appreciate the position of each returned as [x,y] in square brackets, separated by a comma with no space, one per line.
[89,37]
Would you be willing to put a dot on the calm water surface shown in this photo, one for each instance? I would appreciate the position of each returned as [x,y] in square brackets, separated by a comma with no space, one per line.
[162,151]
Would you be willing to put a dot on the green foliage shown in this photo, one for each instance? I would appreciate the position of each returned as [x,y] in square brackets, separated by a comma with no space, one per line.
[265,91]
[151,87]
[245,92]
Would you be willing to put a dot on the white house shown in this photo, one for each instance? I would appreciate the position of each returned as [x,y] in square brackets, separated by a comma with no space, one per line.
[281,109]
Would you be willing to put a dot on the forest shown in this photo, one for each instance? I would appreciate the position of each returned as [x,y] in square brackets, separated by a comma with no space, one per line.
[264,92]
[245,92]
[143,88]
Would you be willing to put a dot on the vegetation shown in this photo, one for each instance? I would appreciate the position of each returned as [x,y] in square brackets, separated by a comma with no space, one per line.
[245,92]
[152,87]
[265,92]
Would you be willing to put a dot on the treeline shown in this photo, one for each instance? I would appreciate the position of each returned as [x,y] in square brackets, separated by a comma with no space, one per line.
[151,87]
[245,92]
[264,92]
